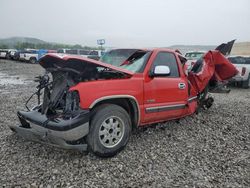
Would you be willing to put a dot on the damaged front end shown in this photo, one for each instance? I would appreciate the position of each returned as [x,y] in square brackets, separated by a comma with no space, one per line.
[58,119]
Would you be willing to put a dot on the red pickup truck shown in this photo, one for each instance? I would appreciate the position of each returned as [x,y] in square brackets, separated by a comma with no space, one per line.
[89,104]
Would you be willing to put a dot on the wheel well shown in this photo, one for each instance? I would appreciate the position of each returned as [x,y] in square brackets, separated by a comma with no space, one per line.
[128,104]
[32,58]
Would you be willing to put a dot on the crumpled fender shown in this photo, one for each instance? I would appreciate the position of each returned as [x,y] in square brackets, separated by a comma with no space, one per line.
[224,69]
[213,66]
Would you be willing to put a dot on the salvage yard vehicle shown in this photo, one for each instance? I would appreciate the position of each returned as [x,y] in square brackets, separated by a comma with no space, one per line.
[94,105]
[92,54]
[242,63]
[29,55]
[3,53]
[192,57]
[7,53]
[12,53]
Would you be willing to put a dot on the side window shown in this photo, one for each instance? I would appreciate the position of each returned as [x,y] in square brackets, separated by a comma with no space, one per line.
[168,59]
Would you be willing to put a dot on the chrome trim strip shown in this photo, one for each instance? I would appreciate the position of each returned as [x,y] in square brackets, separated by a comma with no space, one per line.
[116,97]
[192,99]
[165,108]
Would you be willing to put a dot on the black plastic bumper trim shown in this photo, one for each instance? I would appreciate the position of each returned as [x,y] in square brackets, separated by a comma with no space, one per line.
[56,123]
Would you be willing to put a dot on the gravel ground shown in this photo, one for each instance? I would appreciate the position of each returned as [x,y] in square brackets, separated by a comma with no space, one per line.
[211,149]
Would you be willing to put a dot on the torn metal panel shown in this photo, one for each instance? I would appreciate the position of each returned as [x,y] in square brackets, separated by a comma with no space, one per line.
[213,67]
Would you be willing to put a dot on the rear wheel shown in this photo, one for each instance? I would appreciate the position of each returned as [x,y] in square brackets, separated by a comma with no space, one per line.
[110,128]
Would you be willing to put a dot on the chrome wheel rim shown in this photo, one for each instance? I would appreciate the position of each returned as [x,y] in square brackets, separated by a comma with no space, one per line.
[111,131]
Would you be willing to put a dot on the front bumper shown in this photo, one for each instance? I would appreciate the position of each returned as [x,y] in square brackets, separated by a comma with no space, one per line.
[53,131]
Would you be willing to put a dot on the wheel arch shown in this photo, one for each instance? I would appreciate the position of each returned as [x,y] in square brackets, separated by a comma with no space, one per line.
[128,102]
[33,57]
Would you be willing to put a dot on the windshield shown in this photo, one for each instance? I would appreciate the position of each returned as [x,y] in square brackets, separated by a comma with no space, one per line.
[130,59]
[194,55]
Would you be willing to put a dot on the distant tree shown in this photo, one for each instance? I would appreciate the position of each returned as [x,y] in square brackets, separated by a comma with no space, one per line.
[51,46]
[24,45]
[4,46]
[77,46]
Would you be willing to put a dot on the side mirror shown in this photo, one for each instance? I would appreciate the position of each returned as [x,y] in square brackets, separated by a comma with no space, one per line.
[160,70]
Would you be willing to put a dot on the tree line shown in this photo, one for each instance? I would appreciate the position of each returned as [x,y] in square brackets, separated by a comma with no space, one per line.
[49,46]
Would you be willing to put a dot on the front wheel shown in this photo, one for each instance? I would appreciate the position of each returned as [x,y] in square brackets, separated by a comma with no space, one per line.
[110,128]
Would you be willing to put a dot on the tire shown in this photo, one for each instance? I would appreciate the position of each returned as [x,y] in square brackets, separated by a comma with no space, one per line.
[32,60]
[7,56]
[110,129]
[246,84]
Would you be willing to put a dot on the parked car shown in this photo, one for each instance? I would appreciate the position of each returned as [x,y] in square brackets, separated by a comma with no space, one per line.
[95,54]
[92,54]
[94,105]
[7,53]
[242,63]
[42,52]
[11,53]
[81,52]
[3,53]
[29,55]
[17,55]
[192,57]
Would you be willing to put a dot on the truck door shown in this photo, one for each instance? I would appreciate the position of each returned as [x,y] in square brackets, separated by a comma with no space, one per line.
[165,97]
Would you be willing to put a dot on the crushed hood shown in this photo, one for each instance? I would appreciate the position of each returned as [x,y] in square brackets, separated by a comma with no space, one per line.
[76,64]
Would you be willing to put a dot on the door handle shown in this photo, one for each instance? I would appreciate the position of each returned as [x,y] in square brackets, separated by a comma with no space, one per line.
[182,85]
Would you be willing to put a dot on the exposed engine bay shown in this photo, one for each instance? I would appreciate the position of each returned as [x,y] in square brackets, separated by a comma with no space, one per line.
[54,96]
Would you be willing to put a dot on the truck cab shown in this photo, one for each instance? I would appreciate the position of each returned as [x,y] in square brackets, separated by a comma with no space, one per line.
[164,86]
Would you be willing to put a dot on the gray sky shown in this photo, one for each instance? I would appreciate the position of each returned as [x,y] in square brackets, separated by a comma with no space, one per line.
[127,23]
